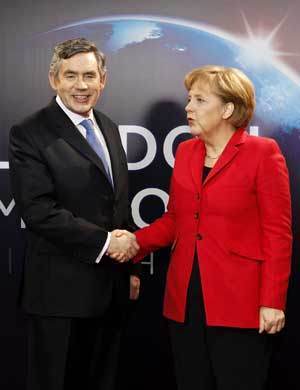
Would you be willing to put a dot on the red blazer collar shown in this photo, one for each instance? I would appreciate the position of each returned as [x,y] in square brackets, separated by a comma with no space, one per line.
[230,151]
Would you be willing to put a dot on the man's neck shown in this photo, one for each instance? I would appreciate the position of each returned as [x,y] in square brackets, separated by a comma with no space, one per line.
[75,117]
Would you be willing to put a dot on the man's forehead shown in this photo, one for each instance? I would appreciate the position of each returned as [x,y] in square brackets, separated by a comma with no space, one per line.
[80,59]
[78,67]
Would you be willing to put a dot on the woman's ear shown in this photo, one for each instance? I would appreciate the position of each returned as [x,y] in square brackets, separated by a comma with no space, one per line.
[228,110]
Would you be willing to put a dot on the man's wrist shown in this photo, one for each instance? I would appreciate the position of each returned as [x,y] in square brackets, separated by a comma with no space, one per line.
[104,248]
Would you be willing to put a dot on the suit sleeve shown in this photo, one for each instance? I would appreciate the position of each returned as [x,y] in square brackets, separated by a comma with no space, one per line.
[274,204]
[33,188]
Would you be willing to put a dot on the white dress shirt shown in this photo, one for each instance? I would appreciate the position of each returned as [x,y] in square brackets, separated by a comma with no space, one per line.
[76,119]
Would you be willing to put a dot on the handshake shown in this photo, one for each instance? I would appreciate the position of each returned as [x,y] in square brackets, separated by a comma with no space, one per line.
[123,245]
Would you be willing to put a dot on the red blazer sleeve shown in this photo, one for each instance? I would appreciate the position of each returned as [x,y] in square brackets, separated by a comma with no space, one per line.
[161,232]
[158,234]
[274,205]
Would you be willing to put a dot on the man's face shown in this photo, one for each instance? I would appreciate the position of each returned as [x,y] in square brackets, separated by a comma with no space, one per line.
[78,83]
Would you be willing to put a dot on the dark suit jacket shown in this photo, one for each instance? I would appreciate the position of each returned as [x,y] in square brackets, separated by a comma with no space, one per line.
[68,205]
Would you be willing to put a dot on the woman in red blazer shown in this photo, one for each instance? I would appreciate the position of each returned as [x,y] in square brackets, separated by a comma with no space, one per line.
[228,217]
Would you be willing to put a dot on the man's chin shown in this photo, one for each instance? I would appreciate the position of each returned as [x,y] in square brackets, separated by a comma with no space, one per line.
[83,110]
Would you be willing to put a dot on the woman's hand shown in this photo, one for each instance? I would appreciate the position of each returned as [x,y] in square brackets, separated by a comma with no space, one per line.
[271,320]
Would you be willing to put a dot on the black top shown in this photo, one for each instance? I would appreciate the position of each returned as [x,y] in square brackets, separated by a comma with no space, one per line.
[205,172]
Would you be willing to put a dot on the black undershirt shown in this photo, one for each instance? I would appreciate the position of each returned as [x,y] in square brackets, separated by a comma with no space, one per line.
[205,172]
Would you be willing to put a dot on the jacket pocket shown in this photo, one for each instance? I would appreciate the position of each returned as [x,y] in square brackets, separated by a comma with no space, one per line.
[47,248]
[252,254]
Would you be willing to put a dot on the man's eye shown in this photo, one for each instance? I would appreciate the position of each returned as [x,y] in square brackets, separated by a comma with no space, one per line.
[70,76]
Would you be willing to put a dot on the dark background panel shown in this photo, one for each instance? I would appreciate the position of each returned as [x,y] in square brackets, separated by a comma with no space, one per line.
[145,88]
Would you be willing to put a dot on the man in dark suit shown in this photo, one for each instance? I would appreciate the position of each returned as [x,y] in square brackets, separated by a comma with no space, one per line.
[69,180]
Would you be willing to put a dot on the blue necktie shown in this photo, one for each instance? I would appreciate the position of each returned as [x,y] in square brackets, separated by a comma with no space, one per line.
[94,142]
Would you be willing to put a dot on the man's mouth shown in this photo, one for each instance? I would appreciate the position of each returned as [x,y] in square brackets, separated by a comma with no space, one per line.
[81,98]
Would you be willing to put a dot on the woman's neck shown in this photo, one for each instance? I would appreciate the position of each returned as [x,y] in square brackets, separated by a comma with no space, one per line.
[215,144]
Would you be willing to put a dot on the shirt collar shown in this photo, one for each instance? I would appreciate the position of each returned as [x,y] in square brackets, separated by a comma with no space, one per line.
[75,118]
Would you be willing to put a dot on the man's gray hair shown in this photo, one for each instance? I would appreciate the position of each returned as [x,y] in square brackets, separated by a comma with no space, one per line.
[69,48]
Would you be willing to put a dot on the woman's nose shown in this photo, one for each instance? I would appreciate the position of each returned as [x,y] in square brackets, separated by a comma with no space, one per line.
[188,107]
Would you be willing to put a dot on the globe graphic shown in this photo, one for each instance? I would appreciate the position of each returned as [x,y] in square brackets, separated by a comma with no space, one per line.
[147,60]
[150,48]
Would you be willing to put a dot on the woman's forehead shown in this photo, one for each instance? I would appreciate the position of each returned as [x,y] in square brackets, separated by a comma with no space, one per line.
[200,87]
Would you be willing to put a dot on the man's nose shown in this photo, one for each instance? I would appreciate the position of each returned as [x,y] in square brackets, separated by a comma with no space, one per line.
[80,83]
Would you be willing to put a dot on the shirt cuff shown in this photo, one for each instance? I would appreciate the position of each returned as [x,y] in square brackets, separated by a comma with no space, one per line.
[104,249]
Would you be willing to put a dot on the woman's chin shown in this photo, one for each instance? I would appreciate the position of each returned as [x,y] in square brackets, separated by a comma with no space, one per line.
[196,132]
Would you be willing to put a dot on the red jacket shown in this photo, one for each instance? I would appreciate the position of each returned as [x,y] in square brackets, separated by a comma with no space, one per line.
[238,220]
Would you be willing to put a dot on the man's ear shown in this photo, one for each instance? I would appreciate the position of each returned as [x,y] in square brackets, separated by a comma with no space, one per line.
[228,110]
[52,80]
[103,80]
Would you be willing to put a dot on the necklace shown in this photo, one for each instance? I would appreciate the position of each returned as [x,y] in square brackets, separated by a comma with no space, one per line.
[212,158]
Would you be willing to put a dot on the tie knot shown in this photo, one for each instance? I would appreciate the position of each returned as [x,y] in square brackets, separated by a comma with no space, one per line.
[87,124]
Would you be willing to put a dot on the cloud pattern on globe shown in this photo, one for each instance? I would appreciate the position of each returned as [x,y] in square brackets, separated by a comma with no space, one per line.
[277,95]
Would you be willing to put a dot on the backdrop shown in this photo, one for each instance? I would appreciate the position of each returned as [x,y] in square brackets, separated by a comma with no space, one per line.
[150,47]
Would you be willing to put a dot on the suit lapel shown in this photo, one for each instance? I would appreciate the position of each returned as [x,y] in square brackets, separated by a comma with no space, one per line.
[113,148]
[229,153]
[197,162]
[66,130]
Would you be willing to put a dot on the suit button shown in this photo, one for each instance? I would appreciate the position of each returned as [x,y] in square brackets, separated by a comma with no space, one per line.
[196,215]
[198,236]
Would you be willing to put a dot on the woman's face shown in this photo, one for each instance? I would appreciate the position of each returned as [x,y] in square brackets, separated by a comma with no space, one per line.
[205,111]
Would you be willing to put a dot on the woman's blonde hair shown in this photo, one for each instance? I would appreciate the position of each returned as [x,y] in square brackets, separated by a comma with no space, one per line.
[231,85]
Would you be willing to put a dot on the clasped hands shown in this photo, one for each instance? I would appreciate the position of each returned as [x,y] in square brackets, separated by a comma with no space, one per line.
[123,245]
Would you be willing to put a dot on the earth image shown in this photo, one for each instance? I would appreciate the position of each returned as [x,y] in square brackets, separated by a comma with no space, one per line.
[166,49]
[147,59]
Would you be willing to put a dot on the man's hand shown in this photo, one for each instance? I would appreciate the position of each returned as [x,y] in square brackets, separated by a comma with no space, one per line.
[123,245]
[271,320]
[134,287]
